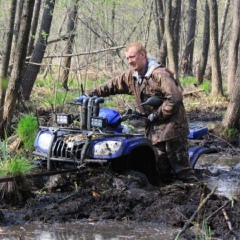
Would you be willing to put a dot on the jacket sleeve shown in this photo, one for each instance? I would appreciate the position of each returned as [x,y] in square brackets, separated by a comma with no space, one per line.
[171,93]
[118,85]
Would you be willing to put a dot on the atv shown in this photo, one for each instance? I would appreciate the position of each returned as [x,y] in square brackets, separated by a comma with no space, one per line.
[103,139]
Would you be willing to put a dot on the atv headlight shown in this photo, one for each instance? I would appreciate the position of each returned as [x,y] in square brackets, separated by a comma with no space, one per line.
[43,140]
[98,122]
[106,148]
[62,118]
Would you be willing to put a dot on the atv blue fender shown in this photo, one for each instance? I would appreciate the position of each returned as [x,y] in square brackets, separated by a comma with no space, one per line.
[196,152]
[110,148]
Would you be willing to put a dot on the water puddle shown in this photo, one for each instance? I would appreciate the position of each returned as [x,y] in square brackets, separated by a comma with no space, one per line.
[88,231]
[226,171]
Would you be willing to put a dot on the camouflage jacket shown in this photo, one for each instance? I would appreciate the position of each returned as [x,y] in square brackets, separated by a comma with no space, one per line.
[158,81]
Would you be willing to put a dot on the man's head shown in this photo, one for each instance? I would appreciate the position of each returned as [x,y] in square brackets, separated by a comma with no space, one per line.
[136,55]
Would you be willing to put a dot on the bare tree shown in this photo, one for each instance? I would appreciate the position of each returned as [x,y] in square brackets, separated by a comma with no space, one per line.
[66,61]
[34,25]
[187,59]
[159,15]
[17,21]
[215,59]
[18,66]
[223,23]
[169,39]
[176,15]
[6,52]
[39,50]
[232,116]
[233,47]
[201,67]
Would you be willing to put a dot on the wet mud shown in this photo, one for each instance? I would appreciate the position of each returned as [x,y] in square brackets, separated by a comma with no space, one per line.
[97,194]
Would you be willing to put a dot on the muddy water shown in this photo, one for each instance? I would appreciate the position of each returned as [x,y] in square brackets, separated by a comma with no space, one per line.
[227,174]
[88,231]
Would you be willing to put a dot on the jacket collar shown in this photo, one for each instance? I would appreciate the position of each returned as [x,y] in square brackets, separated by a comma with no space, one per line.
[152,63]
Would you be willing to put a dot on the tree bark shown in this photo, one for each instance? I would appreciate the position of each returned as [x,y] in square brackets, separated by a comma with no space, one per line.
[176,15]
[159,23]
[187,59]
[17,21]
[66,62]
[39,50]
[34,25]
[223,23]
[215,59]
[169,39]
[205,47]
[231,118]
[233,47]
[18,66]
[6,53]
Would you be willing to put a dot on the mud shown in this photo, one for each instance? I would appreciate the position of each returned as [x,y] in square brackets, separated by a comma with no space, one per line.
[97,194]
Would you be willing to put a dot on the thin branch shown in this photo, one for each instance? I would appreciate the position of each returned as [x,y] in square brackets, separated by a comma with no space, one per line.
[225,142]
[195,213]
[227,219]
[86,53]
[218,210]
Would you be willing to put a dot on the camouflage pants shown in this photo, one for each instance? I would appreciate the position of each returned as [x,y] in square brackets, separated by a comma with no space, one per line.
[172,157]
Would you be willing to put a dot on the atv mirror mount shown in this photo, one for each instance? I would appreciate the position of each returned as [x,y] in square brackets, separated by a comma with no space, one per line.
[153,102]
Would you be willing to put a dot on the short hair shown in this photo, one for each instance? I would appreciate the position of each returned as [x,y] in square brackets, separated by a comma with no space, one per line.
[138,46]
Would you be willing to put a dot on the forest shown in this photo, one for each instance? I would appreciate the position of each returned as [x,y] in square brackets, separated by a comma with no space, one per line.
[75,43]
[53,51]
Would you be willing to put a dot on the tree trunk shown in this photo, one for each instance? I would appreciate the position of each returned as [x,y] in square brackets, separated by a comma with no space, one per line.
[159,24]
[6,52]
[223,23]
[205,46]
[39,50]
[18,66]
[231,118]
[34,25]
[169,39]
[66,61]
[176,15]
[233,47]
[215,59]
[17,22]
[187,59]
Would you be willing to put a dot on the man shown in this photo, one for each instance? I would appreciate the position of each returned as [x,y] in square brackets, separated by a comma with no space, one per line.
[167,126]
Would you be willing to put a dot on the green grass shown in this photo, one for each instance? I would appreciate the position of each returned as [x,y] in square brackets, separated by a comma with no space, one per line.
[187,81]
[206,86]
[27,129]
[3,151]
[18,166]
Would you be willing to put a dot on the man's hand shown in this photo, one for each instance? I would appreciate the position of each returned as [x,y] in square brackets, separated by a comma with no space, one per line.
[81,98]
[137,113]
[151,117]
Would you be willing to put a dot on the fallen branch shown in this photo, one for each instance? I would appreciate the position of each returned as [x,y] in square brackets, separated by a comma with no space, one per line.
[230,225]
[225,142]
[194,92]
[195,213]
[218,210]
[227,219]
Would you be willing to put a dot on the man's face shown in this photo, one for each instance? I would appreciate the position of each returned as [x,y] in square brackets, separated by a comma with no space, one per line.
[136,60]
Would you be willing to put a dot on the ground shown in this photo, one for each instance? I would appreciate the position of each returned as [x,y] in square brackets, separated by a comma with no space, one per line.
[97,193]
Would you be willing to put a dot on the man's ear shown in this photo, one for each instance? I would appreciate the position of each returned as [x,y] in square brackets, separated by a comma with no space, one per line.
[143,54]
